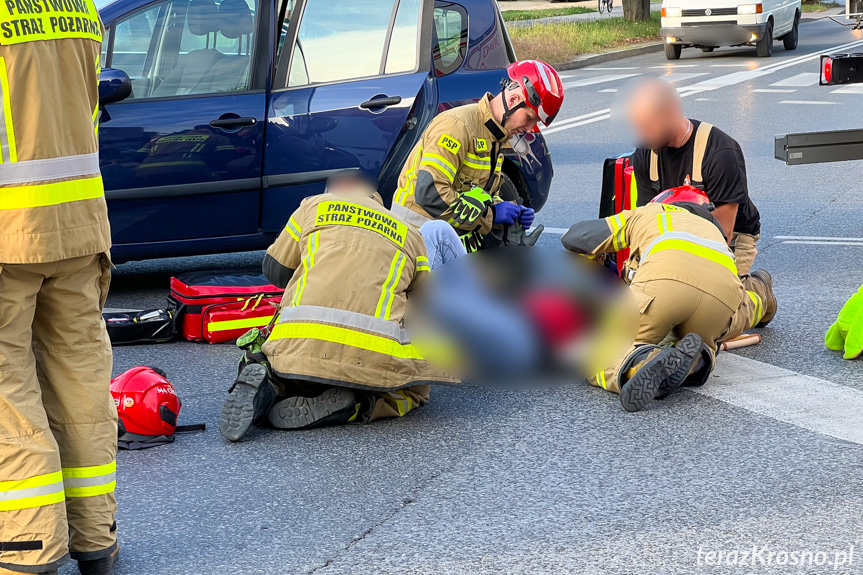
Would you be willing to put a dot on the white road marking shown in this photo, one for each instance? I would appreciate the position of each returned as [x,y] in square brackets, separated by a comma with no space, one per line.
[558,231]
[705,99]
[598,80]
[800,80]
[682,76]
[739,65]
[815,243]
[807,402]
[774,91]
[852,89]
[608,91]
[809,102]
[612,68]
[822,238]
[675,66]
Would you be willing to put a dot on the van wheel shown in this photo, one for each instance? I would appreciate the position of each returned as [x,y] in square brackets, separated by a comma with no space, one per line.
[790,39]
[764,47]
[672,51]
[708,48]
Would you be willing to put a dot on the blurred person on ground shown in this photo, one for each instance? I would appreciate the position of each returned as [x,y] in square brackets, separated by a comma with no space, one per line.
[675,151]
[58,423]
[685,282]
[338,352]
[454,173]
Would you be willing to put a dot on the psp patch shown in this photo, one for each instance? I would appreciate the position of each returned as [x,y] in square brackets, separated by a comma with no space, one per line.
[481,144]
[449,143]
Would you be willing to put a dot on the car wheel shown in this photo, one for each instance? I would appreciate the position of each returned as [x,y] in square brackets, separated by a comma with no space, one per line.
[764,47]
[708,48]
[790,40]
[672,51]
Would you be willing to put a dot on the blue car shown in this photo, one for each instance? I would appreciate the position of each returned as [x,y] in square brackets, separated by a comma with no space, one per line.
[219,116]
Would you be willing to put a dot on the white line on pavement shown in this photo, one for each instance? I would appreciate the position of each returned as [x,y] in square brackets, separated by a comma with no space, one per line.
[680,77]
[611,68]
[800,80]
[705,99]
[608,91]
[558,231]
[808,402]
[814,243]
[852,89]
[739,65]
[809,102]
[822,238]
[675,66]
[598,80]
[773,91]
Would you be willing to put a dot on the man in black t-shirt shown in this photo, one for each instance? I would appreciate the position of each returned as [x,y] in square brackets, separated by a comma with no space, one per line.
[678,151]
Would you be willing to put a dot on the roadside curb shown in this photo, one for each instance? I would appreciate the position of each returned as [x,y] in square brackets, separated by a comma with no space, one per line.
[591,59]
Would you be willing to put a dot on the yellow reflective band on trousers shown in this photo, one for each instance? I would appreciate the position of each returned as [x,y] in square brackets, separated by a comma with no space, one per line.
[36,491]
[17,197]
[385,302]
[345,336]
[600,379]
[308,263]
[245,323]
[403,403]
[759,308]
[48,20]
[90,481]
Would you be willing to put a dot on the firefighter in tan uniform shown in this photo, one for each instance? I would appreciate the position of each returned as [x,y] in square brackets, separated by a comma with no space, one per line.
[684,279]
[338,352]
[58,423]
[454,172]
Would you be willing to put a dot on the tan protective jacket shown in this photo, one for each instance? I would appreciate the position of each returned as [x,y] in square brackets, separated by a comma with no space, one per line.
[665,242]
[454,154]
[52,204]
[341,319]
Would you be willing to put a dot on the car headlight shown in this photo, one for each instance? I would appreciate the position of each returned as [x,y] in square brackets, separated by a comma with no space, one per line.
[749,9]
[671,12]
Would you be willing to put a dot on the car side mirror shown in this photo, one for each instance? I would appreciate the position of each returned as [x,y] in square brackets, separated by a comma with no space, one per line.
[114,86]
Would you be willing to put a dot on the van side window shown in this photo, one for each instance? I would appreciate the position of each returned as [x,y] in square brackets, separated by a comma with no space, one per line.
[451,33]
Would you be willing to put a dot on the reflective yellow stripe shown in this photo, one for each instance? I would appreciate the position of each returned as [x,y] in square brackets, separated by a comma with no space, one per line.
[32,492]
[600,379]
[759,311]
[618,224]
[695,249]
[308,262]
[403,402]
[14,198]
[7,114]
[441,163]
[90,481]
[423,264]
[245,323]
[345,336]
[356,414]
[385,302]
[410,177]
[58,20]
[664,223]
[293,228]
[633,191]
[482,159]
[395,283]
[477,166]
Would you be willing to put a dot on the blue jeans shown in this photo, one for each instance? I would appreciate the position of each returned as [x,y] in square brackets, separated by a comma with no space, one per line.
[442,243]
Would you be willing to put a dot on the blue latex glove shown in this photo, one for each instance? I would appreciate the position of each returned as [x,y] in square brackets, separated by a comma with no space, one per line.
[506,213]
[526,218]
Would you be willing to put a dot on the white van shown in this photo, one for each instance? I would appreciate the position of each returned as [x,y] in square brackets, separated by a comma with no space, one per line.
[708,24]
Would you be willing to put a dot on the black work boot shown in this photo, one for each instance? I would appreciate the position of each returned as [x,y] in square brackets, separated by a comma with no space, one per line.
[250,400]
[334,405]
[698,370]
[670,365]
[103,566]
[761,282]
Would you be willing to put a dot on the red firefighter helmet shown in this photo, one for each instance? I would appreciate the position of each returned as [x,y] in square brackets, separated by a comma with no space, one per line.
[681,194]
[147,405]
[541,87]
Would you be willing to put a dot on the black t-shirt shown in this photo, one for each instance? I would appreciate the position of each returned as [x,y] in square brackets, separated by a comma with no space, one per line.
[723,170]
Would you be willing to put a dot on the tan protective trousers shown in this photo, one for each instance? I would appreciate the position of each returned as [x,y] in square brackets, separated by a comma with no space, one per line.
[58,422]
[673,307]
[745,250]
[399,403]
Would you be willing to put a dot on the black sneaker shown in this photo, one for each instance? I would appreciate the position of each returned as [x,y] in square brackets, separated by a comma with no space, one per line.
[334,405]
[669,366]
[103,566]
[250,400]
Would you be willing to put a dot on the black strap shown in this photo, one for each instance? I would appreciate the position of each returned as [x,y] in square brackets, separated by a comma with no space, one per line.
[188,428]
[20,546]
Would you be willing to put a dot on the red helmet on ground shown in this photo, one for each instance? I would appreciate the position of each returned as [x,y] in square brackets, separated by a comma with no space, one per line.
[543,90]
[147,407]
[681,194]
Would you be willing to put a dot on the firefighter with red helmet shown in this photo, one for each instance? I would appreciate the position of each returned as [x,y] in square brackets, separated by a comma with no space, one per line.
[454,171]
[683,277]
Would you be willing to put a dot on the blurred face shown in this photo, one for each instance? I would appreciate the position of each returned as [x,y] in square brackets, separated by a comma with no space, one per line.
[655,115]
[349,186]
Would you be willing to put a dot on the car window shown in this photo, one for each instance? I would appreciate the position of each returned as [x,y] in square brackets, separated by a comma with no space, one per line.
[450,22]
[288,7]
[183,47]
[346,40]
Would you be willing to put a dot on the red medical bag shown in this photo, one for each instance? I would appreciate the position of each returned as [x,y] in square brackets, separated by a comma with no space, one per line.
[616,194]
[220,306]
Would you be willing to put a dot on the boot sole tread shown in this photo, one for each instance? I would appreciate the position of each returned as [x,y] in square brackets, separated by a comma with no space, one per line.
[238,411]
[299,412]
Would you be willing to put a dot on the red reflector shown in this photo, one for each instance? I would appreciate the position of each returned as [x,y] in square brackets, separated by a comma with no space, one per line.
[662,12]
[828,70]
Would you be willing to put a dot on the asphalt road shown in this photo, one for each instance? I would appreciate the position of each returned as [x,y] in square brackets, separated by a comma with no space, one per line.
[562,481]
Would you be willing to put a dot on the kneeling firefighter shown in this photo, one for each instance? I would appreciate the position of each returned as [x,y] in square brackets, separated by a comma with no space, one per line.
[684,279]
[454,172]
[338,352]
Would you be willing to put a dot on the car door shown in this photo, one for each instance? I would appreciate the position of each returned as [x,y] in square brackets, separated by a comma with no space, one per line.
[347,78]
[181,157]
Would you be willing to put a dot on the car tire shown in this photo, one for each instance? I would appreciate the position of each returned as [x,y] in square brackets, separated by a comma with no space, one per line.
[672,51]
[764,47]
[791,39]
[708,49]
